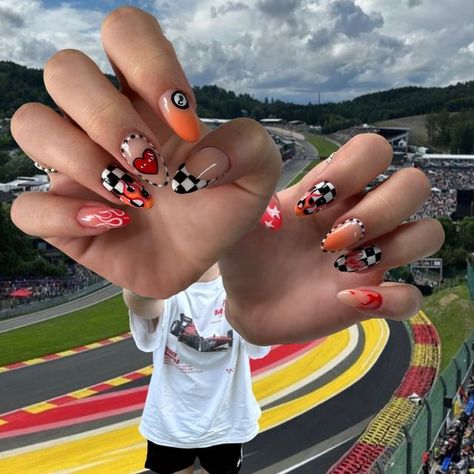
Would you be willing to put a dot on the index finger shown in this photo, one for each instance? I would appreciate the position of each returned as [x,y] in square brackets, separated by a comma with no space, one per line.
[137,47]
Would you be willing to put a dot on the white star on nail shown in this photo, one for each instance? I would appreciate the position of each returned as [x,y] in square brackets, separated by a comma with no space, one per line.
[273,211]
[269,225]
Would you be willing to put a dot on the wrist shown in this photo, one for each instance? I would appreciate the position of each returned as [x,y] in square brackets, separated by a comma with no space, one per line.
[142,306]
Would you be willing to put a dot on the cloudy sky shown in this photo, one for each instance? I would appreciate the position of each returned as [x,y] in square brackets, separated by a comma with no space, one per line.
[287,49]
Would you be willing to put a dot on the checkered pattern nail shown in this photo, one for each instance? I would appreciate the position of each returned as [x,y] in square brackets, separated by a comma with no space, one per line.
[317,197]
[359,259]
[184,182]
[123,186]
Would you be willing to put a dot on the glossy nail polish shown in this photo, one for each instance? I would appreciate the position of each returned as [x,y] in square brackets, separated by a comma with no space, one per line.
[271,218]
[343,235]
[142,155]
[94,217]
[359,259]
[179,114]
[123,186]
[361,298]
[203,168]
[317,197]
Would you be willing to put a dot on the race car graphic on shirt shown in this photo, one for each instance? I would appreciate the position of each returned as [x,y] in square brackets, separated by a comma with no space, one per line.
[186,332]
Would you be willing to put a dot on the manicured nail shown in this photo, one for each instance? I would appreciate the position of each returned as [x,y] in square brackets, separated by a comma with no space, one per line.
[343,235]
[359,259]
[200,170]
[272,218]
[126,188]
[90,216]
[142,155]
[361,298]
[316,198]
[177,111]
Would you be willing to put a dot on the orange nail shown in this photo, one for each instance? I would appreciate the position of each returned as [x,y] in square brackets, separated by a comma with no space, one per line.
[343,235]
[176,109]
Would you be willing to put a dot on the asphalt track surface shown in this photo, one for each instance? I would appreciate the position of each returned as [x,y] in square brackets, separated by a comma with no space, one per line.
[343,417]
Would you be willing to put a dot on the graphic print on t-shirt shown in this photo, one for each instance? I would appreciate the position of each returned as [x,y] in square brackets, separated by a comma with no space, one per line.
[186,332]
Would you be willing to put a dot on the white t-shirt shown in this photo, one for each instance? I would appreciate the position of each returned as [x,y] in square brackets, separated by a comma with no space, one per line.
[200,393]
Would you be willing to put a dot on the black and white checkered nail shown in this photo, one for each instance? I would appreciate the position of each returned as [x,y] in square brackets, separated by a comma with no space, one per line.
[184,182]
[359,259]
[320,195]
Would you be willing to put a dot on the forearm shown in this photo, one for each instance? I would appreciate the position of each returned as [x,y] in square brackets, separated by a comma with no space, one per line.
[143,307]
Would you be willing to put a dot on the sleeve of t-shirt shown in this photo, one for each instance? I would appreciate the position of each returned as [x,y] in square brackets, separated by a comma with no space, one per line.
[146,337]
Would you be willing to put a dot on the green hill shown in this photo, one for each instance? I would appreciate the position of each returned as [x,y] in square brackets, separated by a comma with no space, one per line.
[19,84]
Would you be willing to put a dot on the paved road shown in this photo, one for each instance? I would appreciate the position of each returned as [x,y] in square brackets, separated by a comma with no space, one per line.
[60,310]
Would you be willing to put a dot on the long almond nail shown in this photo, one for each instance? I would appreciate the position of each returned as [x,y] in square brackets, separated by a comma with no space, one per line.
[200,170]
[271,218]
[94,217]
[359,259]
[317,197]
[361,298]
[143,156]
[343,236]
[177,111]
[123,186]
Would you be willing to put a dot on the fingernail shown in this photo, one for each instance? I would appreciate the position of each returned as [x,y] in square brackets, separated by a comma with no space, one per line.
[361,298]
[200,170]
[177,111]
[316,198]
[359,259]
[122,185]
[90,216]
[142,155]
[343,235]
[272,218]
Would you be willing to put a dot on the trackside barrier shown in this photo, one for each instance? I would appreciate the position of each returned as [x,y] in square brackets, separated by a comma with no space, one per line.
[435,411]
[387,441]
[470,279]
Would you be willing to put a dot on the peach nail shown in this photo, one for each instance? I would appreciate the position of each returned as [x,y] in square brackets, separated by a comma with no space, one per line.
[343,235]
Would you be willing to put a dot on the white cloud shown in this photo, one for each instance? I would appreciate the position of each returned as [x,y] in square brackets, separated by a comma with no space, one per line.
[289,49]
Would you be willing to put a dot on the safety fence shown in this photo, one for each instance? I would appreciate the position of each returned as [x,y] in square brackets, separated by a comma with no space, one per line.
[430,422]
[383,445]
[470,279]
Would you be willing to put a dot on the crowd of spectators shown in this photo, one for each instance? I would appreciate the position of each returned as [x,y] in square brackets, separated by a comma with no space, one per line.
[454,451]
[440,203]
[43,288]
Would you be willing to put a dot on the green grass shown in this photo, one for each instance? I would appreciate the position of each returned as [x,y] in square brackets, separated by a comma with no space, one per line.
[324,147]
[103,320]
[452,312]
[300,175]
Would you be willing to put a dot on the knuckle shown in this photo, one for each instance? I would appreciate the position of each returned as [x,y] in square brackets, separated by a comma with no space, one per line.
[144,72]
[102,114]
[58,63]
[20,118]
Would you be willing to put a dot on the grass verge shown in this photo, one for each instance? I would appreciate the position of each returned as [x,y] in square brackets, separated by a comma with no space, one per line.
[452,312]
[324,147]
[103,320]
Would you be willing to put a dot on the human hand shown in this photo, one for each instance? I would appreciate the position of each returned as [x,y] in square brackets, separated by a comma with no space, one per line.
[154,251]
[281,286]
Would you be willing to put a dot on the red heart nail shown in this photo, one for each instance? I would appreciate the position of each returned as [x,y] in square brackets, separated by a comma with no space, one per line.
[147,164]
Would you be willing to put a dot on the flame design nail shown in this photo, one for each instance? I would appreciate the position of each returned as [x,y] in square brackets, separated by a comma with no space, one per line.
[103,217]
[317,197]
[361,298]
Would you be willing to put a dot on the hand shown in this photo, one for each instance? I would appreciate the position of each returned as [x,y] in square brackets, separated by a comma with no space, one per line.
[281,286]
[165,238]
